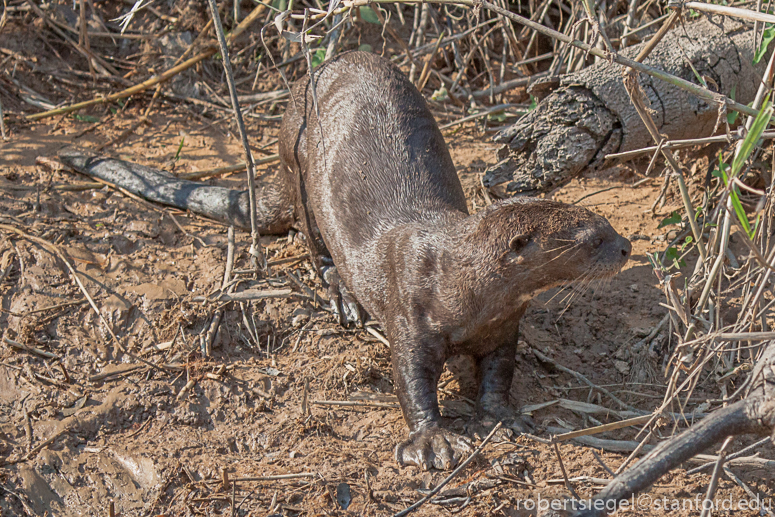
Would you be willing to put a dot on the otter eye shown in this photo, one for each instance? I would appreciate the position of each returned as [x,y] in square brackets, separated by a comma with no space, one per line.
[518,242]
[597,242]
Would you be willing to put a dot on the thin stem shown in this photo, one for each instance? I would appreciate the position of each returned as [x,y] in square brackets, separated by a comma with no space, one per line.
[256,254]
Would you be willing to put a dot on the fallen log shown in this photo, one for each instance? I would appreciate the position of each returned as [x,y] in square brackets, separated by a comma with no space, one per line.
[590,115]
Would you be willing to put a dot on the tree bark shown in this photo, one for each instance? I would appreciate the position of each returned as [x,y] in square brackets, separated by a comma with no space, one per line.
[590,114]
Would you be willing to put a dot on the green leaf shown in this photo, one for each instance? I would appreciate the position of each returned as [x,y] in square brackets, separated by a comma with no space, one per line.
[653,259]
[700,79]
[365,47]
[721,170]
[673,218]
[318,57]
[734,195]
[767,36]
[749,143]
[752,138]
[746,148]
[735,199]
[739,210]
[180,148]
[368,15]
[533,103]
[672,255]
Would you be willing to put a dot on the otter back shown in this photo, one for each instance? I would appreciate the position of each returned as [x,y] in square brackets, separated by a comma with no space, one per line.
[381,162]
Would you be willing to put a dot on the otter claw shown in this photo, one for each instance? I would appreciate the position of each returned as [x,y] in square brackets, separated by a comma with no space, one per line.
[483,422]
[493,408]
[350,308]
[433,448]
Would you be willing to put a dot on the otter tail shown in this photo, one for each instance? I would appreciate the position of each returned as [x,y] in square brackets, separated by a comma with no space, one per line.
[274,202]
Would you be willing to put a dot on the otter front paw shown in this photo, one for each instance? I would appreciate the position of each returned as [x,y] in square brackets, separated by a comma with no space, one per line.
[433,448]
[343,304]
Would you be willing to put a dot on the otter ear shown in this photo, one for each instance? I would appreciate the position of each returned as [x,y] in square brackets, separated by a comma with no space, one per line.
[518,242]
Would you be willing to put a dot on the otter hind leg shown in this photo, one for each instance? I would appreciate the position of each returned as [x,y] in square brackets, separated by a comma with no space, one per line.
[343,304]
[495,372]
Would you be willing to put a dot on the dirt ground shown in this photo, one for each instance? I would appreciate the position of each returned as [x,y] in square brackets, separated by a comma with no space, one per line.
[105,429]
[84,426]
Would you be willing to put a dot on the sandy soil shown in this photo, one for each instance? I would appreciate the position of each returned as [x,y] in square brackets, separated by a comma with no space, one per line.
[84,426]
[104,428]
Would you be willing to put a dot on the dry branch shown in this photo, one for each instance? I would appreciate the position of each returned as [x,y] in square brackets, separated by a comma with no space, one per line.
[157,79]
[755,414]
[256,253]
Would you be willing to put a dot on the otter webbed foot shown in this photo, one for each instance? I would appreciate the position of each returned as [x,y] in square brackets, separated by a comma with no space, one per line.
[492,410]
[433,447]
[343,303]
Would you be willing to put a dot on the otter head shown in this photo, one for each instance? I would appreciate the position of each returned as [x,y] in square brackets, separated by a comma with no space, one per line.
[538,244]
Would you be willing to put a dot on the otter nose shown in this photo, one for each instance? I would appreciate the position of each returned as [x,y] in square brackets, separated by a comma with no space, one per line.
[626,247]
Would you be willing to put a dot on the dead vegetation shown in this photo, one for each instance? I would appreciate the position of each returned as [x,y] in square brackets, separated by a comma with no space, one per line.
[150,365]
